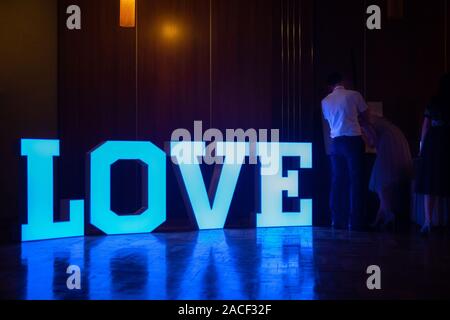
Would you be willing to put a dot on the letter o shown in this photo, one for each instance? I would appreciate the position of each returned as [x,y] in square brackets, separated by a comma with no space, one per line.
[101,160]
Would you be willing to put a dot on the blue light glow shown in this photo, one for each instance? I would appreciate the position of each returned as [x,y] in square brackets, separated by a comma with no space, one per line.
[273,185]
[40,155]
[101,160]
[40,225]
[261,264]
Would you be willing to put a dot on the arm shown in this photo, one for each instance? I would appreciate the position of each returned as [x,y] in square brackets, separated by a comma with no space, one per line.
[370,135]
[363,110]
[326,135]
[364,118]
[367,128]
[365,122]
[425,127]
[326,132]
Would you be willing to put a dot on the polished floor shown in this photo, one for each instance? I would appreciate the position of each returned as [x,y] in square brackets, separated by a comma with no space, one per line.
[280,263]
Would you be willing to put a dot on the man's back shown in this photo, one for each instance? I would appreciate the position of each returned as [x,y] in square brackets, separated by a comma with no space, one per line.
[341,109]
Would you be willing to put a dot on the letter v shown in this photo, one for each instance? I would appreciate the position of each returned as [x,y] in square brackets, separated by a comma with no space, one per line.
[210,216]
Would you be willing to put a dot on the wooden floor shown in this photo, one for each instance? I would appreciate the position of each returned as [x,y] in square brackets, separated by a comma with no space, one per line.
[281,263]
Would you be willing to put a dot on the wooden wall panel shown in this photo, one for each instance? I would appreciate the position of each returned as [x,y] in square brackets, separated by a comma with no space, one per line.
[217,61]
[447,34]
[96,87]
[28,91]
[404,63]
[174,85]
[241,73]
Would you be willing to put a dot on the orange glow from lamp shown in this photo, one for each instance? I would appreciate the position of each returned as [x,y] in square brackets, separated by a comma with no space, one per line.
[170,31]
[128,13]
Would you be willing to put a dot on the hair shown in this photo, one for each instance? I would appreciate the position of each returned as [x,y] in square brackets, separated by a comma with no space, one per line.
[334,79]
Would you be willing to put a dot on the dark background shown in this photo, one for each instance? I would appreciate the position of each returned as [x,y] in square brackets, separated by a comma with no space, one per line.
[236,64]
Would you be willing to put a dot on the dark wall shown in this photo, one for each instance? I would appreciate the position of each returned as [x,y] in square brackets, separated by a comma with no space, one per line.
[28,93]
[405,61]
[219,73]
[339,42]
[228,63]
[398,65]
[231,64]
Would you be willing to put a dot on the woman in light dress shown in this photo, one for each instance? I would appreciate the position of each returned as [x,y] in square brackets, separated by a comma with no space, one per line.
[392,167]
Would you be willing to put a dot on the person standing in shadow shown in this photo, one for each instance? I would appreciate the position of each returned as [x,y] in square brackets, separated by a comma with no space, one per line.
[433,176]
[342,109]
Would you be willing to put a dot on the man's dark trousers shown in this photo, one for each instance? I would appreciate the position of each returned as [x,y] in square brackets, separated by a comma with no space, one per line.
[347,158]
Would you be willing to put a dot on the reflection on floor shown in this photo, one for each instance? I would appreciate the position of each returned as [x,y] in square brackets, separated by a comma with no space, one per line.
[280,263]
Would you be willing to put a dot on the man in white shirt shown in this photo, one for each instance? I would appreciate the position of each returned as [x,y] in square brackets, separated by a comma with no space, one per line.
[344,111]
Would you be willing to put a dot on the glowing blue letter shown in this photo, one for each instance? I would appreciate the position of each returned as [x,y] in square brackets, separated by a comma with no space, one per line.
[186,153]
[273,185]
[100,172]
[40,225]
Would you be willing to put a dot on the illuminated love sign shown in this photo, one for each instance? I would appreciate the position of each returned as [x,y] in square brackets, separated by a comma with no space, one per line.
[40,154]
